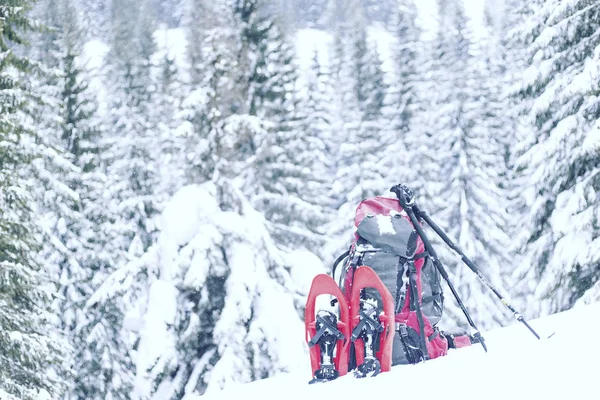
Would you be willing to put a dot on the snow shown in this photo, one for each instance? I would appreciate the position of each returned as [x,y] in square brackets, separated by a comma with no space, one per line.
[94,52]
[189,206]
[304,266]
[517,365]
[160,316]
[384,223]
[171,42]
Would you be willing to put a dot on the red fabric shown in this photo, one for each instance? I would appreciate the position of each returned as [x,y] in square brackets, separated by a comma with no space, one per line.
[461,341]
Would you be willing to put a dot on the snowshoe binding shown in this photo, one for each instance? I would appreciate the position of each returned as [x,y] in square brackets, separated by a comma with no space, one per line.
[326,338]
[368,329]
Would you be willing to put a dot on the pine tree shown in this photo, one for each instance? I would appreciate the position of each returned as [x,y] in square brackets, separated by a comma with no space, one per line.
[559,159]
[209,282]
[275,182]
[505,60]
[95,18]
[402,158]
[29,348]
[462,169]
[132,147]
[196,18]
[78,244]
[168,100]
[360,168]
[310,13]
[207,105]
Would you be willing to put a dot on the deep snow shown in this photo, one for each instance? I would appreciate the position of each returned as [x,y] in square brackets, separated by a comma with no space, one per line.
[517,366]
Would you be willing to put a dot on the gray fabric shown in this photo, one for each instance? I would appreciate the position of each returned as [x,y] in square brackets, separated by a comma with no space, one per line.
[388,233]
[432,288]
[385,266]
[398,354]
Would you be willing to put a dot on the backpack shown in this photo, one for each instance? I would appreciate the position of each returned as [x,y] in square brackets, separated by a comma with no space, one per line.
[386,241]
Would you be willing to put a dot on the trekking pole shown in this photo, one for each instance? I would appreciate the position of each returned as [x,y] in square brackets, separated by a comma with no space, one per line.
[406,199]
[472,266]
[423,215]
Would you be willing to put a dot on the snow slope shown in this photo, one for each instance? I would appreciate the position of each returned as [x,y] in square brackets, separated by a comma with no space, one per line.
[517,366]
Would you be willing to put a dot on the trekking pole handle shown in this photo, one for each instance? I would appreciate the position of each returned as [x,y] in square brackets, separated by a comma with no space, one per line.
[404,194]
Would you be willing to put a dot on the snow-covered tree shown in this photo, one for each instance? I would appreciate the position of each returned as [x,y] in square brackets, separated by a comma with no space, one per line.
[95,18]
[461,162]
[132,146]
[310,13]
[559,159]
[208,104]
[365,138]
[380,11]
[402,158]
[79,234]
[220,307]
[30,352]
[167,101]
[275,181]
[293,169]
[196,18]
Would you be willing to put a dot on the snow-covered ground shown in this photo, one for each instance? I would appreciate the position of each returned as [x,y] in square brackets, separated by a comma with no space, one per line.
[517,366]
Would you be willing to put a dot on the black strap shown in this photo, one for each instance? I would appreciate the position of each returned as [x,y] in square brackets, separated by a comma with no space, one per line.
[366,320]
[337,261]
[435,334]
[325,326]
[412,279]
[421,255]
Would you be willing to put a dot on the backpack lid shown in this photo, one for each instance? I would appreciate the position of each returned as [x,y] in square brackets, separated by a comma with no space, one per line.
[378,206]
[382,222]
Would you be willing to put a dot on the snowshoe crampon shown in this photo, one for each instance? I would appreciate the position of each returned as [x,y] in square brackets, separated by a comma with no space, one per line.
[371,367]
[327,336]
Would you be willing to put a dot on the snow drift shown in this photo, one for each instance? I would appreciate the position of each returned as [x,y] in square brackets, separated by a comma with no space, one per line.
[517,366]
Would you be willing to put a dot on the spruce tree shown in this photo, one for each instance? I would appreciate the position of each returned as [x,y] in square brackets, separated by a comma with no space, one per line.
[29,348]
[559,160]
[79,234]
[360,167]
[275,182]
[168,98]
[204,108]
[132,147]
[461,164]
[406,100]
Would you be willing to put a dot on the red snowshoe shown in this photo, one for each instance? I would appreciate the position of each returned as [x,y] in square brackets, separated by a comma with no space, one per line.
[366,326]
[372,310]
[327,337]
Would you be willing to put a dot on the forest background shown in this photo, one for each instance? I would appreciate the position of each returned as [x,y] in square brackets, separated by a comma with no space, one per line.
[173,173]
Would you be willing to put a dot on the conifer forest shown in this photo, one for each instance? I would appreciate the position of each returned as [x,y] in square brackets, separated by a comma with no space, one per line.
[173,173]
